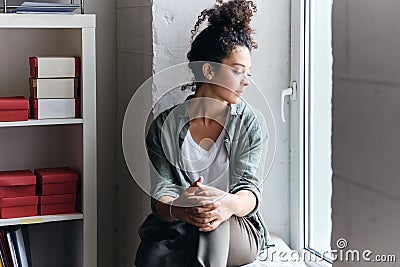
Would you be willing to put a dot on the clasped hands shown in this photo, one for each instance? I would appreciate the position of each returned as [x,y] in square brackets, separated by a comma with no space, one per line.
[203,206]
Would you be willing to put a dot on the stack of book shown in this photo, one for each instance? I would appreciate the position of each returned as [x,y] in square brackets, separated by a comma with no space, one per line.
[15,247]
[54,87]
[56,190]
[18,194]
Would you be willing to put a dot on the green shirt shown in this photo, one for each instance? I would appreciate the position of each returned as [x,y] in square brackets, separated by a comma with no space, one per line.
[246,145]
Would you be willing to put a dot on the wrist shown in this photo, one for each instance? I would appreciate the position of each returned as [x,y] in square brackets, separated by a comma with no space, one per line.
[172,210]
[233,203]
[245,202]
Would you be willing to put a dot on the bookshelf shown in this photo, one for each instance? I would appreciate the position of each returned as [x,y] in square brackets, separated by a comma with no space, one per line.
[41,219]
[65,239]
[41,122]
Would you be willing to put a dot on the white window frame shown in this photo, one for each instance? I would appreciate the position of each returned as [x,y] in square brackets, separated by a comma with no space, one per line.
[299,66]
[299,130]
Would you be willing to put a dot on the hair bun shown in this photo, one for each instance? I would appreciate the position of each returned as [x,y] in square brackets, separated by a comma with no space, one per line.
[233,15]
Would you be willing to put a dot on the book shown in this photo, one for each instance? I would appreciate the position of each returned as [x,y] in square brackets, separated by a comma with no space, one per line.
[5,249]
[45,7]
[2,259]
[18,239]
[12,250]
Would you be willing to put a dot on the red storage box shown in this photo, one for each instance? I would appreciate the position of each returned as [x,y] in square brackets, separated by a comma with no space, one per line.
[14,108]
[56,181]
[57,204]
[54,67]
[18,207]
[17,183]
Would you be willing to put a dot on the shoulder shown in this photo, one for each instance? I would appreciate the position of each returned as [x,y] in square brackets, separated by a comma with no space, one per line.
[250,116]
[163,116]
[167,121]
[154,130]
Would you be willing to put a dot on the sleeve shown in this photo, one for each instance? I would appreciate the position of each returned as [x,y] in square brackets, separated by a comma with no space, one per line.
[249,159]
[161,170]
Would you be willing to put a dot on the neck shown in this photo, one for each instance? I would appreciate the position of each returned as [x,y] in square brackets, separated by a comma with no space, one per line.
[206,106]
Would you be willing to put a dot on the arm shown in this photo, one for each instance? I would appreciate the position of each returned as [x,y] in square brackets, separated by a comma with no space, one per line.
[169,196]
[162,208]
[249,157]
[169,208]
[239,204]
[243,203]
[247,160]
[181,208]
[163,184]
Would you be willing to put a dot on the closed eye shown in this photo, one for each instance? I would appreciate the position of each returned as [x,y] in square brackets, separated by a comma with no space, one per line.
[237,71]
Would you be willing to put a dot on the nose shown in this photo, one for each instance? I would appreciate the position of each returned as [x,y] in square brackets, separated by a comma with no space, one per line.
[245,80]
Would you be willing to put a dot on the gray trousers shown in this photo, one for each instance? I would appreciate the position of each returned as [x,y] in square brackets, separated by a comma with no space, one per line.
[234,243]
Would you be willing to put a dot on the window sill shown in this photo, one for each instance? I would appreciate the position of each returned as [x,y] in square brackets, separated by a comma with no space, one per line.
[279,256]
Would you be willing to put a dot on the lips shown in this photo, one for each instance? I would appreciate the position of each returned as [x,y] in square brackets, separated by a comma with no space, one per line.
[239,92]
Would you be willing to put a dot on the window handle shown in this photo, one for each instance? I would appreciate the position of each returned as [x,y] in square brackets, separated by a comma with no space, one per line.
[291,91]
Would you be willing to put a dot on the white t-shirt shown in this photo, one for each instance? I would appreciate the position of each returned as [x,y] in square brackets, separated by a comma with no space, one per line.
[212,164]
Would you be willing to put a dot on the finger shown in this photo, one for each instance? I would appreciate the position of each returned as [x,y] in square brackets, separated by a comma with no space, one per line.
[211,192]
[198,200]
[198,182]
[206,206]
[206,213]
[204,201]
[197,211]
[191,189]
[204,221]
[197,224]
[210,226]
[195,186]
[203,187]
[203,212]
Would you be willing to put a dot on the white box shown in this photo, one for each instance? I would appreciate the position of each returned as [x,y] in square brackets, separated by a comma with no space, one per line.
[54,108]
[53,88]
[54,67]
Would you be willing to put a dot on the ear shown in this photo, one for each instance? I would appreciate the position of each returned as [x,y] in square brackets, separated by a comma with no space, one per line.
[208,71]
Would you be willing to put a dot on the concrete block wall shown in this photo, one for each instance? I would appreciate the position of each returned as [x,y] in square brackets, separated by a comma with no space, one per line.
[366,90]
[134,66]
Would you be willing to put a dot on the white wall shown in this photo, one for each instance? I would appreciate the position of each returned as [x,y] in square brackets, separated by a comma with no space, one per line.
[172,22]
[366,92]
[106,124]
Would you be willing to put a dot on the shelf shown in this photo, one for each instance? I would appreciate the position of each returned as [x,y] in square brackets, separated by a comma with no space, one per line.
[41,219]
[72,239]
[40,122]
[47,21]
[42,6]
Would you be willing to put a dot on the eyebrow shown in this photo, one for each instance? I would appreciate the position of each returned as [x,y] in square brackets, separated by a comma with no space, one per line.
[240,64]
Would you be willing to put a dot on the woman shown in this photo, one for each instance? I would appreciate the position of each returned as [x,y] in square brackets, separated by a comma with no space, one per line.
[207,156]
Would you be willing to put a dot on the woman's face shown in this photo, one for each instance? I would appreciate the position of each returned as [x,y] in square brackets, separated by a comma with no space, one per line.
[231,77]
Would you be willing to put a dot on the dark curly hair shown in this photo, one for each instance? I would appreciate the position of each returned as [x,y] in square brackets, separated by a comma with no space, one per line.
[228,27]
